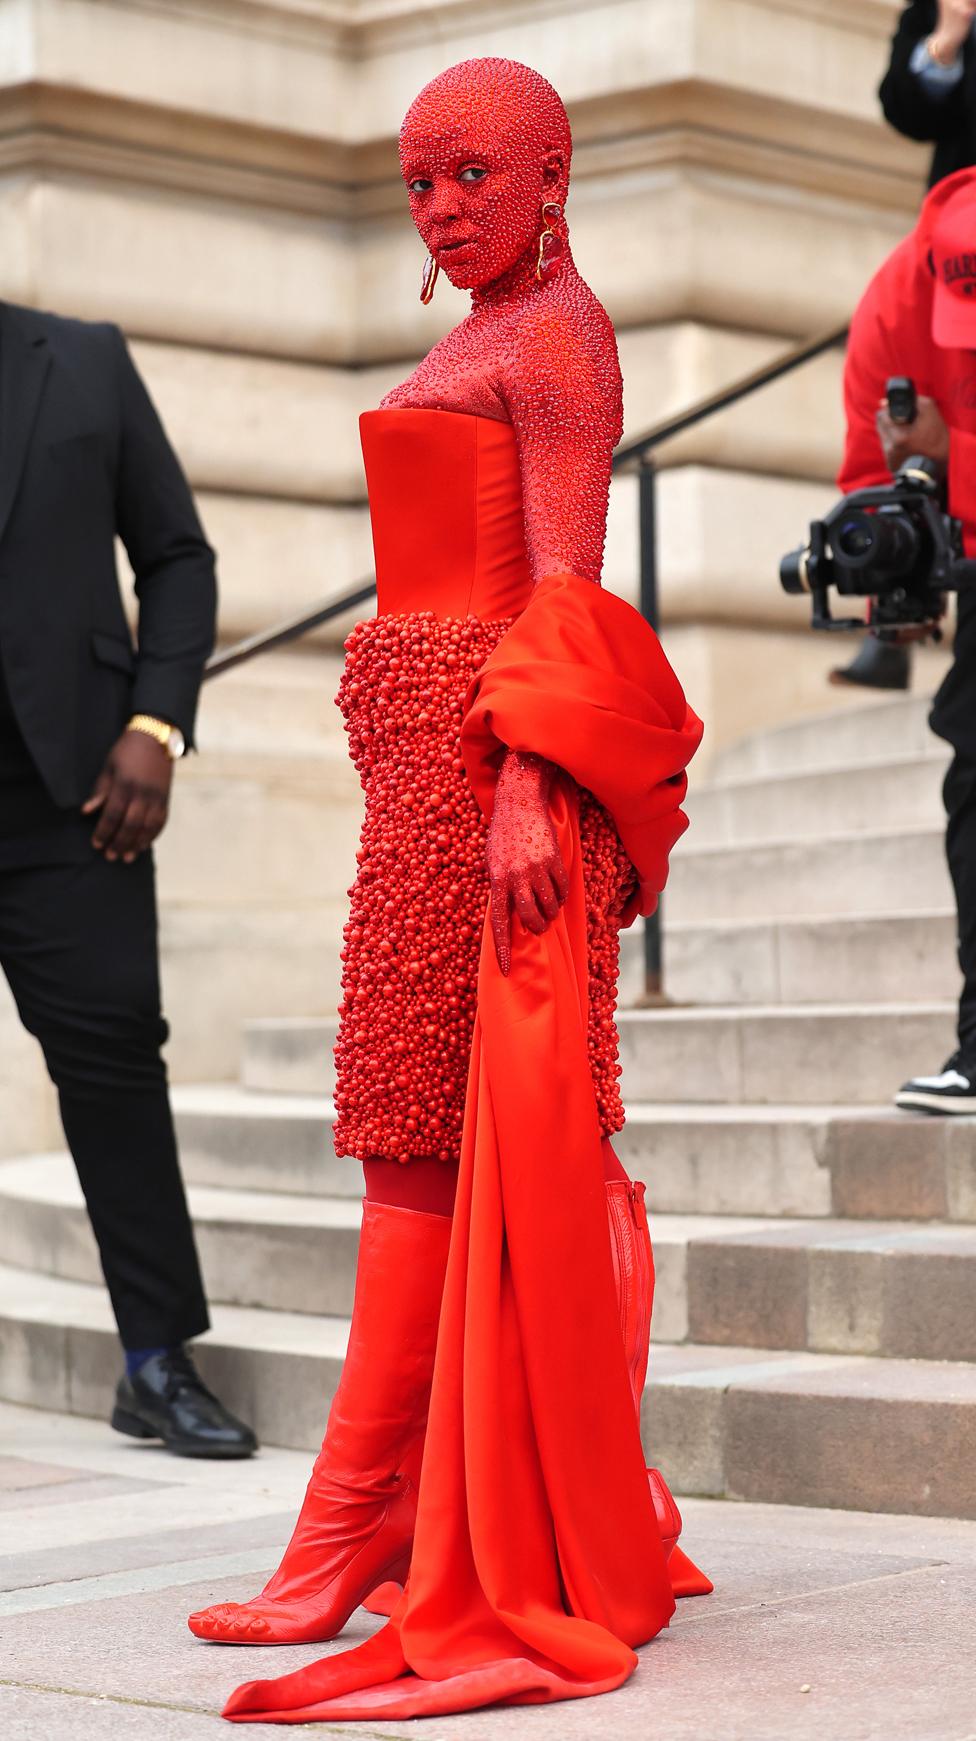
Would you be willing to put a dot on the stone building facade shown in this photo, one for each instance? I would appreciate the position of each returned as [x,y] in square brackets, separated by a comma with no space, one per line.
[220,176]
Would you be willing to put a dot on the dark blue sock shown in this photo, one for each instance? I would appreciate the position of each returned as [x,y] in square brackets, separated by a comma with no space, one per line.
[136,1357]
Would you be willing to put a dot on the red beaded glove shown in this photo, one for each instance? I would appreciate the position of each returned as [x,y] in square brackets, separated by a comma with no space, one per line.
[525,867]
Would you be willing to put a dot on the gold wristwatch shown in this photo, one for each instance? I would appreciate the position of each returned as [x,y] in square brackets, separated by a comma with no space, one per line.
[170,736]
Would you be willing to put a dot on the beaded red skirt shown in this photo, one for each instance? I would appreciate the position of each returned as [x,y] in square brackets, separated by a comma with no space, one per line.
[418,904]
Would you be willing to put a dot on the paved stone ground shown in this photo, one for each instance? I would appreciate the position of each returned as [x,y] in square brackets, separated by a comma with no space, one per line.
[829,1625]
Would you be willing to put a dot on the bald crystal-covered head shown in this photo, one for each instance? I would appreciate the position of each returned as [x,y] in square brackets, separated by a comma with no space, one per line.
[482,148]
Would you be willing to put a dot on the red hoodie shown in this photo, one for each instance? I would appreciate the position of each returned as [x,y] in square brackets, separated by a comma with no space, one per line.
[891,334]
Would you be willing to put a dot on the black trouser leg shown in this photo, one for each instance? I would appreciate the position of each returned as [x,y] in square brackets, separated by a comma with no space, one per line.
[79,947]
[959,793]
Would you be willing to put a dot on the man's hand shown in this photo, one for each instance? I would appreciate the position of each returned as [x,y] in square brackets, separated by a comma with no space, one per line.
[927,436]
[132,794]
[525,866]
[955,19]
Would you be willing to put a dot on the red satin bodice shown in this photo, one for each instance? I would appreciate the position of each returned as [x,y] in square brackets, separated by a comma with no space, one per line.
[445,501]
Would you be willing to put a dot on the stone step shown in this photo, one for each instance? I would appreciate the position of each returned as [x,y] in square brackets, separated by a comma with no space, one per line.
[224,959]
[856,1054]
[289,1055]
[59,1350]
[872,958]
[273,827]
[902,1290]
[696,1160]
[869,729]
[836,876]
[852,1054]
[872,794]
[282,1253]
[232,1139]
[287,697]
[836,1430]
[813,1429]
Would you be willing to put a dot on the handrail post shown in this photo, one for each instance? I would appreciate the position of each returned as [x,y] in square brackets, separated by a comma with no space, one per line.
[647,536]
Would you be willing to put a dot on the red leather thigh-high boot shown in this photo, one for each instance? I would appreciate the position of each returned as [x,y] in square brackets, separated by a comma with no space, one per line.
[633,1268]
[355,1528]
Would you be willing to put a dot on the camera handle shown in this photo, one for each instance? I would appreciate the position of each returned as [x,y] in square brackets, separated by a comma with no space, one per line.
[822,618]
[902,400]
[814,561]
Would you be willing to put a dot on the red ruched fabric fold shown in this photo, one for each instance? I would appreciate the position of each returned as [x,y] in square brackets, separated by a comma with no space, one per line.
[537,1565]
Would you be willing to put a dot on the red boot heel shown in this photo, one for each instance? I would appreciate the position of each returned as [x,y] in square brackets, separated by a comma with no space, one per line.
[665,1510]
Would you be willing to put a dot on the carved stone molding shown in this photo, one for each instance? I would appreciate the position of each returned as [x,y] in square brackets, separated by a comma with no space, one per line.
[696,124]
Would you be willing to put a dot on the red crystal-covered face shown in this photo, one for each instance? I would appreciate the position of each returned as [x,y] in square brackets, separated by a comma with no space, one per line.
[481,149]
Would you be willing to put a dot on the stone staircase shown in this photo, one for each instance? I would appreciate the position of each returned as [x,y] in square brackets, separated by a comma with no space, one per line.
[815,1320]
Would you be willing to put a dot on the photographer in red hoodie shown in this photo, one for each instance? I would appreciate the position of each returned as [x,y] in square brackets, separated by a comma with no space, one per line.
[918,318]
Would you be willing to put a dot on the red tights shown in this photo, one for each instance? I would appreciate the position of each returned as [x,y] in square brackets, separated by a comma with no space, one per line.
[429,1186]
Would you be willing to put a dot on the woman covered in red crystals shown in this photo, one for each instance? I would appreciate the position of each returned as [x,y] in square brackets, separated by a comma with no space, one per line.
[522,743]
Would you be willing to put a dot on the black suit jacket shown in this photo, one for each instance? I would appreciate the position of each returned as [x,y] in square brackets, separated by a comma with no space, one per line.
[948,121]
[83,458]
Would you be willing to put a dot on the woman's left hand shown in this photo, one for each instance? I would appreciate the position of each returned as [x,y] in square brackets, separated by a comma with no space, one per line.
[525,866]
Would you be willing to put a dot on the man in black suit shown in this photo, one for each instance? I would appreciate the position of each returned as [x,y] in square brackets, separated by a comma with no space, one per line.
[929,90]
[90,728]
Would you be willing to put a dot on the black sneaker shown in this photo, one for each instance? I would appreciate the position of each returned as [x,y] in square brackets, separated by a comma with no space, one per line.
[167,1399]
[953,1090]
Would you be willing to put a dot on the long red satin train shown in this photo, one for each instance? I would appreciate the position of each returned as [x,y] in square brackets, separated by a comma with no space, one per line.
[538,1566]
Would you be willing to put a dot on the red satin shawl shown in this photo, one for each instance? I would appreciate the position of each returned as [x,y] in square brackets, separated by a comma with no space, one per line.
[537,1565]
[582,679]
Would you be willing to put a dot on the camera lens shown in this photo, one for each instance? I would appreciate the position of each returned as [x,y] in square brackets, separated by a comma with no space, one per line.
[887,543]
[855,538]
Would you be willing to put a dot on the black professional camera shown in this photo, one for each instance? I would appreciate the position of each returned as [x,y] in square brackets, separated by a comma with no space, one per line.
[894,544]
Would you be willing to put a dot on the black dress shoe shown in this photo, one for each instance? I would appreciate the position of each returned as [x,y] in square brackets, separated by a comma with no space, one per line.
[167,1399]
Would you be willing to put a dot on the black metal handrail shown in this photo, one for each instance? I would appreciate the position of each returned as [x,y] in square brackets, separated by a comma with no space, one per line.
[292,629]
[639,451]
[640,446]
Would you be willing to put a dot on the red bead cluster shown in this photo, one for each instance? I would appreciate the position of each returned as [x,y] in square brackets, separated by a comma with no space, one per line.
[418,905]
[608,876]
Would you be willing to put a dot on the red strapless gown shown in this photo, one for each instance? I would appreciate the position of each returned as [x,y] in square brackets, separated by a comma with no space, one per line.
[537,1565]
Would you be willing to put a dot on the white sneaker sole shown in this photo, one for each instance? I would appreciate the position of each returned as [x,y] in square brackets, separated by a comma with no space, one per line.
[917,1100]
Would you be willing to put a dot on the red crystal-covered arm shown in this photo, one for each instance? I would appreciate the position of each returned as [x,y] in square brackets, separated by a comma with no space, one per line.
[563,398]
[563,395]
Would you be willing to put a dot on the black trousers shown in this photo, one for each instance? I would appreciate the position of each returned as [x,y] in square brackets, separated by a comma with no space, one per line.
[959,793]
[78,945]
[954,718]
